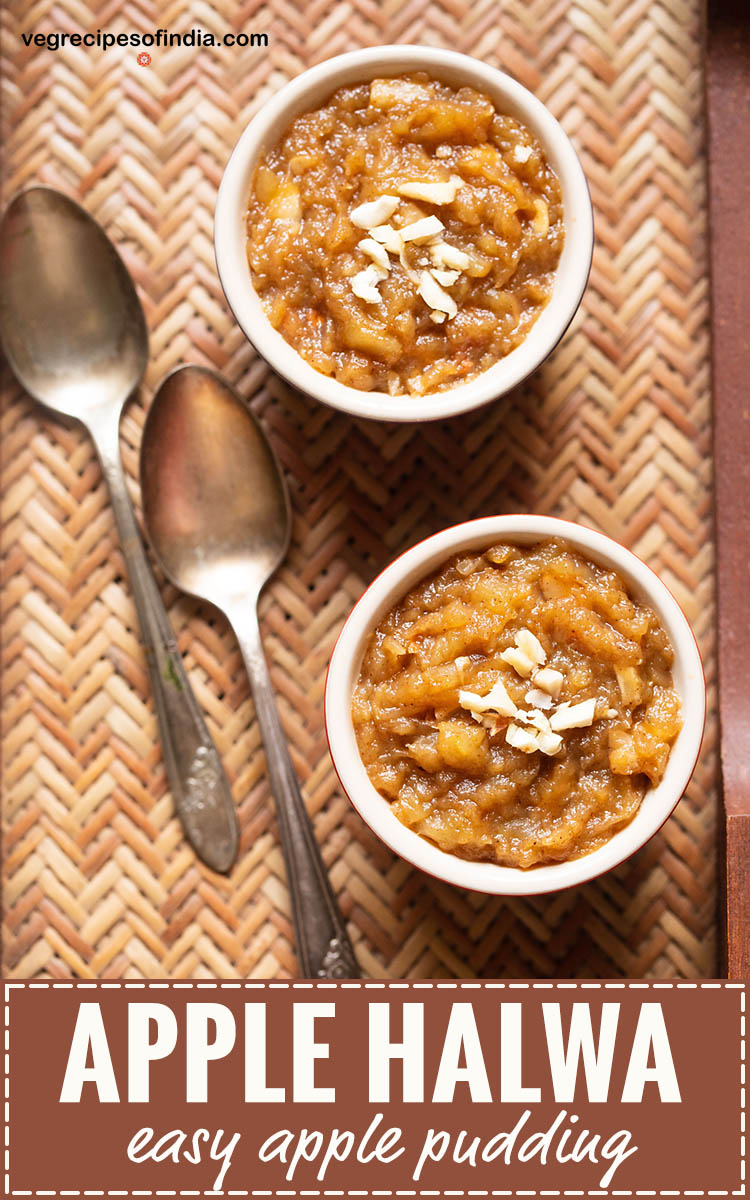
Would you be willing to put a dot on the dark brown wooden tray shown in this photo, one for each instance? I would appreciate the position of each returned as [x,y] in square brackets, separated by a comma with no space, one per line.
[728,95]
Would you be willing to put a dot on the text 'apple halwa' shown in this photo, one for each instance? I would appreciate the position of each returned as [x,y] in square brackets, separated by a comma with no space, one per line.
[404,236]
[517,705]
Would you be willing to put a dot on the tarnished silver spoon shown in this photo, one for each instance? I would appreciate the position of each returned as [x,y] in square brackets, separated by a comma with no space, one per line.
[218,518]
[74,334]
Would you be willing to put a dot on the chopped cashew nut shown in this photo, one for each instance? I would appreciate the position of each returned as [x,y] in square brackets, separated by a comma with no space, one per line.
[496,699]
[538,720]
[446,278]
[522,154]
[521,739]
[421,230]
[388,237]
[537,698]
[431,191]
[374,212]
[520,663]
[530,645]
[549,743]
[445,255]
[364,284]
[524,739]
[376,252]
[573,716]
[437,317]
[433,295]
[549,680]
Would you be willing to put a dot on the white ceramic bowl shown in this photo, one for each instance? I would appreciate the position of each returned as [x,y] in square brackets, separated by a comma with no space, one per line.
[307,92]
[391,586]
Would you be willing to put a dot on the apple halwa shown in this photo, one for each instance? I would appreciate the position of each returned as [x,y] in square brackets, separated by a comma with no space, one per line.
[404,236]
[517,705]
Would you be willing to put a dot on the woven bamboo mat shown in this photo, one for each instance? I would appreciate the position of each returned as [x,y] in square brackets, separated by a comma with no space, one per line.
[614,431]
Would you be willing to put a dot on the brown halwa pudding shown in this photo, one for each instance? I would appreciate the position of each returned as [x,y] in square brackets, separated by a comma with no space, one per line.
[517,705]
[404,236]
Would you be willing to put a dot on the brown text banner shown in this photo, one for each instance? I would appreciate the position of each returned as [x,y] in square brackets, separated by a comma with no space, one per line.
[415,1089]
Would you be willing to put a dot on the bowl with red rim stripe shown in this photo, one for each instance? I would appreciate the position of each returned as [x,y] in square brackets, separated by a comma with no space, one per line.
[306,93]
[392,584]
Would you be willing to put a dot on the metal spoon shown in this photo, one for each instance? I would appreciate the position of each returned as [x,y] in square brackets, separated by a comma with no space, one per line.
[217,514]
[75,336]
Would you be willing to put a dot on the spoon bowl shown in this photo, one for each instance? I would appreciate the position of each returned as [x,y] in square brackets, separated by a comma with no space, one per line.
[218,518]
[72,325]
[215,502]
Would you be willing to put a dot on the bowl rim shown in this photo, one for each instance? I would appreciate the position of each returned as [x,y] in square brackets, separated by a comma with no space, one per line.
[390,585]
[309,88]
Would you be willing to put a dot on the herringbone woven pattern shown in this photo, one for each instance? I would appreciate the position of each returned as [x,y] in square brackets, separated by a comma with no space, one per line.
[615,431]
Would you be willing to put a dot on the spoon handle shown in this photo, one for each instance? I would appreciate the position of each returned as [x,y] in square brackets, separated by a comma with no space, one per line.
[200,788]
[323,945]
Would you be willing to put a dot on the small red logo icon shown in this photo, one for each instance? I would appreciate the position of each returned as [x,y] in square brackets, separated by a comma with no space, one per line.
[144,59]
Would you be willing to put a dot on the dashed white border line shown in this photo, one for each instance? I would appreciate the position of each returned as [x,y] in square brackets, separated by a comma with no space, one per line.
[390,985]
